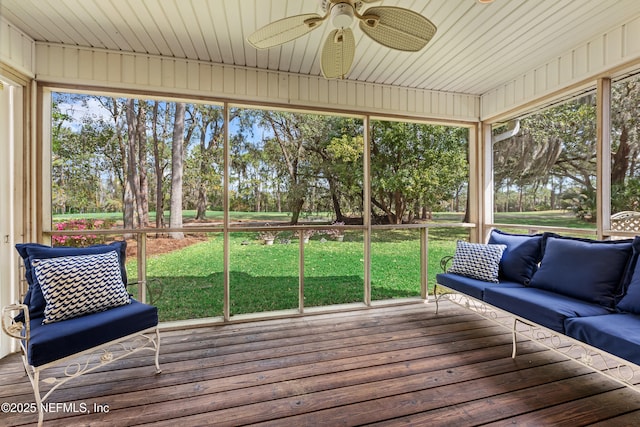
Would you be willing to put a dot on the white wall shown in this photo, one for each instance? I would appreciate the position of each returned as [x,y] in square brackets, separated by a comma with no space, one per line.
[613,50]
[10,112]
[82,66]
[16,49]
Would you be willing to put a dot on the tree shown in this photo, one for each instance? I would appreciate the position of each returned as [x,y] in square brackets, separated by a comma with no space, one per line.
[414,165]
[75,163]
[556,145]
[159,148]
[142,193]
[177,161]
[209,120]
[293,133]
[131,187]
[340,163]
[625,130]
[137,182]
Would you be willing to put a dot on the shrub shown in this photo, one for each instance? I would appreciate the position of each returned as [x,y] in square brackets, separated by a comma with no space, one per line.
[80,239]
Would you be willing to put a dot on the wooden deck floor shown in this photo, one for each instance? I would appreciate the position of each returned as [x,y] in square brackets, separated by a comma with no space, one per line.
[386,366]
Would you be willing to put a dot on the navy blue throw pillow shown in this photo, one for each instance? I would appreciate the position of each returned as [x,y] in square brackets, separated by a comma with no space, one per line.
[521,258]
[630,302]
[589,270]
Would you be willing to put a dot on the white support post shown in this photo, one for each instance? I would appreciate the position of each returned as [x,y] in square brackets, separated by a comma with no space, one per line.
[301,272]
[226,264]
[366,214]
[424,263]
[603,156]
[142,266]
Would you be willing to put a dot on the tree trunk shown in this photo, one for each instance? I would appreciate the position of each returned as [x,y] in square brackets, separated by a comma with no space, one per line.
[201,202]
[400,207]
[278,198]
[621,158]
[335,200]
[177,145]
[132,170]
[467,214]
[143,188]
[296,209]
[383,207]
[520,198]
[257,195]
[158,169]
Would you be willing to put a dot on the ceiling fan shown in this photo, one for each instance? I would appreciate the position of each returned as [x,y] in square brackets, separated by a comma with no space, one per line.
[393,27]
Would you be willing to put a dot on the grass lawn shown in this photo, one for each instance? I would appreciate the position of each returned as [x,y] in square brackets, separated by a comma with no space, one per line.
[544,218]
[188,283]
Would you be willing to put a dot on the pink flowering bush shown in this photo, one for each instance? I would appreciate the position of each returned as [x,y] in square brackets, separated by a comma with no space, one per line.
[79,239]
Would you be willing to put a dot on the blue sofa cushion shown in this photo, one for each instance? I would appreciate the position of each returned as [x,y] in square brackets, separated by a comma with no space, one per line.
[616,334]
[540,306]
[629,300]
[521,257]
[82,284]
[469,286]
[53,341]
[590,270]
[34,298]
[477,260]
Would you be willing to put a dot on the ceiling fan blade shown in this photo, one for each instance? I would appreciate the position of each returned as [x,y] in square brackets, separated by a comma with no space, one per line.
[284,30]
[337,53]
[397,28]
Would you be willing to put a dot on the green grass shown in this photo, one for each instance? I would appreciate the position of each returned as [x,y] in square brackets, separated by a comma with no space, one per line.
[545,218]
[188,283]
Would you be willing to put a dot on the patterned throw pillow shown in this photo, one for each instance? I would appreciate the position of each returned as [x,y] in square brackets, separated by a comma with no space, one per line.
[477,260]
[77,285]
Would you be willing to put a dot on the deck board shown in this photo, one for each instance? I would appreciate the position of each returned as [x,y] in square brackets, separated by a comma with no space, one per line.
[389,366]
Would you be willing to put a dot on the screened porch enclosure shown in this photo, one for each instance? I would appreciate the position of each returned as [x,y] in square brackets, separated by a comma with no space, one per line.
[277,213]
[251,189]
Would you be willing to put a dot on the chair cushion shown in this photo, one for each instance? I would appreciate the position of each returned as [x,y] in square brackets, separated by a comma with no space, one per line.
[34,298]
[53,341]
[77,285]
[521,257]
[473,287]
[477,260]
[590,270]
[615,333]
[545,308]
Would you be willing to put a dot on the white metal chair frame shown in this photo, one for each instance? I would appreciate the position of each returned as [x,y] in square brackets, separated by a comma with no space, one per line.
[82,362]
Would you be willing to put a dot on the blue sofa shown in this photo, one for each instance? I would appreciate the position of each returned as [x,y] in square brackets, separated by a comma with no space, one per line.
[585,291]
[77,306]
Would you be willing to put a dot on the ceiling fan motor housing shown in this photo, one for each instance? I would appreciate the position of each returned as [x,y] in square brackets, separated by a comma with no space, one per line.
[342,15]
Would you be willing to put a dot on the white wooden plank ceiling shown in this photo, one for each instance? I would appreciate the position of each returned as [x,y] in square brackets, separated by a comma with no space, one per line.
[477,46]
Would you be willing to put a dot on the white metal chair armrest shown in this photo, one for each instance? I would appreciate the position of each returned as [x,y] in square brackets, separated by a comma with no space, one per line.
[10,326]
